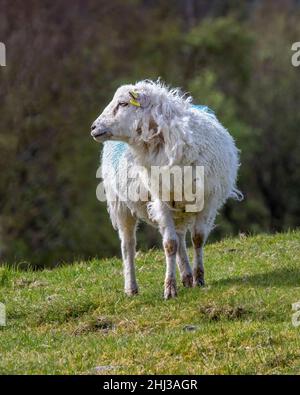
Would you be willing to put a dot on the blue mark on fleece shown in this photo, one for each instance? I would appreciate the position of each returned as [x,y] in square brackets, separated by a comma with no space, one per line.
[114,150]
[204,108]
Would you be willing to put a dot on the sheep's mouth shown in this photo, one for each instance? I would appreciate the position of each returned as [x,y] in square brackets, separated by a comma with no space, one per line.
[100,136]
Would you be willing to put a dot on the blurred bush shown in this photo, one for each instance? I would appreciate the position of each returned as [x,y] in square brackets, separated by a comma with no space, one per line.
[64,63]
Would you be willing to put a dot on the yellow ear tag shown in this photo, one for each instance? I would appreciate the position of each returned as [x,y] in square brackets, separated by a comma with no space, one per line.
[134,103]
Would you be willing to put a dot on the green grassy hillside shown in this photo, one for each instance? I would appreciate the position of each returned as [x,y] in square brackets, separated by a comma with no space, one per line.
[76,320]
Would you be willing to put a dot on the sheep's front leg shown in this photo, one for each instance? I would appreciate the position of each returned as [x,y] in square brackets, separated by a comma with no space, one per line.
[183,262]
[170,246]
[127,230]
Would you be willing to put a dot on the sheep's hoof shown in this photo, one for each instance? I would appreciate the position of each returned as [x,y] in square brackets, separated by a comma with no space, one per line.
[199,282]
[187,280]
[170,288]
[131,291]
[198,278]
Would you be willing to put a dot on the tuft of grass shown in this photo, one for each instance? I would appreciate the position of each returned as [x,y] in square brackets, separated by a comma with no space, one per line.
[102,324]
[76,320]
[216,313]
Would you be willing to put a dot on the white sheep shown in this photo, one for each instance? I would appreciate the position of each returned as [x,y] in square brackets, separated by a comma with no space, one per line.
[148,124]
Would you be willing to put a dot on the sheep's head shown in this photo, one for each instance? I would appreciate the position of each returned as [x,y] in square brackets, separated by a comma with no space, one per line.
[145,112]
[118,119]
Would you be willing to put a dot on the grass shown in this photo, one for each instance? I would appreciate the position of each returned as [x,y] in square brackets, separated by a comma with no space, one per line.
[76,320]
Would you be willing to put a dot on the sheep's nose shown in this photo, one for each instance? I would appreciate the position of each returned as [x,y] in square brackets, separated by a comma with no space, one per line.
[93,127]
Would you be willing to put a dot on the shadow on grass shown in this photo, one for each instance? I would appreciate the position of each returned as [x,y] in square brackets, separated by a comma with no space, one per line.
[279,278]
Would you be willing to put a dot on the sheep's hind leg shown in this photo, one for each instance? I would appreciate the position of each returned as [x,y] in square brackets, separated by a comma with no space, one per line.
[198,240]
[127,230]
[183,262]
[160,213]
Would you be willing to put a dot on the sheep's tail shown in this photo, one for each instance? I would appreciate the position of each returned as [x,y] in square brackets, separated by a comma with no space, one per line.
[236,195]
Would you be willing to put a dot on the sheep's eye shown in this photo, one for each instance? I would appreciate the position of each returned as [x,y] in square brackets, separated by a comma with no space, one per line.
[122,104]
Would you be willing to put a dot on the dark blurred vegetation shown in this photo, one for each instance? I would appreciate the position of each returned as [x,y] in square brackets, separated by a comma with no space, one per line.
[64,61]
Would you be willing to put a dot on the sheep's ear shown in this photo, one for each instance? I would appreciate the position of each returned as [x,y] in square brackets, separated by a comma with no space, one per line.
[139,99]
[134,94]
[134,99]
